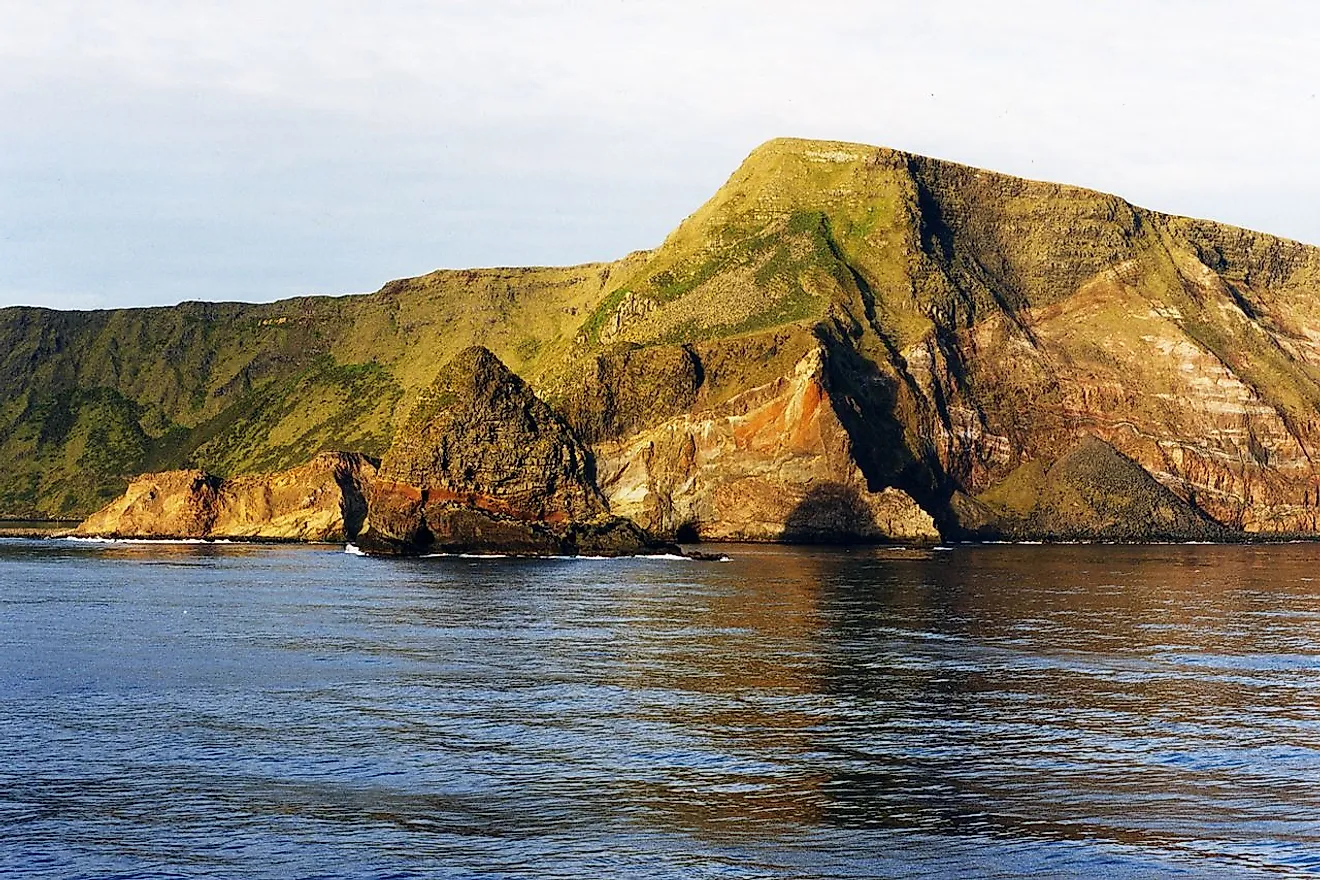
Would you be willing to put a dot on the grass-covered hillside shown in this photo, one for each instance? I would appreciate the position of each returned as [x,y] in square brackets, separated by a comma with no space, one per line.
[974,323]
[88,399]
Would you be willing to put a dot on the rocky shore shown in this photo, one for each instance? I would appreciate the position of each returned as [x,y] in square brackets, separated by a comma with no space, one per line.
[323,500]
[481,466]
[844,344]
[35,528]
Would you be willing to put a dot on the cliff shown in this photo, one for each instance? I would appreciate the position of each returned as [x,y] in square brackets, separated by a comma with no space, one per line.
[973,323]
[482,465]
[772,463]
[845,341]
[323,500]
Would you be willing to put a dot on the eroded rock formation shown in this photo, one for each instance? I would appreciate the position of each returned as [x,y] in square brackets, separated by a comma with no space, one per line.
[772,463]
[482,465]
[323,500]
[844,342]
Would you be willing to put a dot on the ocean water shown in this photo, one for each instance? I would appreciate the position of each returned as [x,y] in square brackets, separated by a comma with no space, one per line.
[987,711]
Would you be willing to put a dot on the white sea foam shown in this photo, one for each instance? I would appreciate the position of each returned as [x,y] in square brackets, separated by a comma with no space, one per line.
[665,557]
[659,557]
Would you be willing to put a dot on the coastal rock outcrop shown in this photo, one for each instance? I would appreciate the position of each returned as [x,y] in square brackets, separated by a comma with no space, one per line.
[773,463]
[482,465]
[171,504]
[1092,492]
[323,500]
[969,324]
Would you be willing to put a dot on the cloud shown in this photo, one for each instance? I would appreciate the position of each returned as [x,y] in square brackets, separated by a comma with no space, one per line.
[253,150]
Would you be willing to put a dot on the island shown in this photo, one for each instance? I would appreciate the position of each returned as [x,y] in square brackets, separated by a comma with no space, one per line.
[846,343]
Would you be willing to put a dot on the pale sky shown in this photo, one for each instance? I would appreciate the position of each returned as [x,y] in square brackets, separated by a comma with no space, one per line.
[154,151]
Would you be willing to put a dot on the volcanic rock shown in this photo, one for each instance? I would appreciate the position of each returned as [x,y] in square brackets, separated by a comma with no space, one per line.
[773,463]
[970,323]
[1092,492]
[322,500]
[482,465]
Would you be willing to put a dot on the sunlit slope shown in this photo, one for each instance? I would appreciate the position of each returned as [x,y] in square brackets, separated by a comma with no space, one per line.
[970,323]
[88,399]
[978,321]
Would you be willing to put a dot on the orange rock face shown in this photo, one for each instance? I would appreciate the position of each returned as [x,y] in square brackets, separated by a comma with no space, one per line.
[773,463]
[322,500]
[172,504]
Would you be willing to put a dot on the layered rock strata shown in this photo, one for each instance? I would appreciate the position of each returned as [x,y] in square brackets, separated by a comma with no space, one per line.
[773,463]
[482,465]
[323,500]
[969,325]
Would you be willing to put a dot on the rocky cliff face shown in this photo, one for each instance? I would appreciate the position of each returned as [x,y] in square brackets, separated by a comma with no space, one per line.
[772,463]
[482,465]
[479,433]
[323,500]
[977,323]
[842,332]
[172,504]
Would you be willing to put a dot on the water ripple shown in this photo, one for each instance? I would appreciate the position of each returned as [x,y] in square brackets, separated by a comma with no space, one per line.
[213,711]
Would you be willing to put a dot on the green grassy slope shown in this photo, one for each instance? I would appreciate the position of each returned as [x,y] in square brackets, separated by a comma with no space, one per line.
[975,321]
[88,399]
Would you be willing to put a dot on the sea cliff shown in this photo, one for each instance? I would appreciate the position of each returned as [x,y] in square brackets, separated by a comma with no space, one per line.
[323,500]
[845,343]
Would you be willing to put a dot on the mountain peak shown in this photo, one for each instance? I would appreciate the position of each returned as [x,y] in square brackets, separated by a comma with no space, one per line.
[977,322]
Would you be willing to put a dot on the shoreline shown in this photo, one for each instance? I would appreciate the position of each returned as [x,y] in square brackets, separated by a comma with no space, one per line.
[36,528]
[42,533]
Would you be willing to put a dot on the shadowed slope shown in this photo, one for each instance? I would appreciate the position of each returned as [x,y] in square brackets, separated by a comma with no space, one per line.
[481,465]
[970,322]
[1092,491]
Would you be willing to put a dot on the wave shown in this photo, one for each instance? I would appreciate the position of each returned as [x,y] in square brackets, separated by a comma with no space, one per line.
[353,550]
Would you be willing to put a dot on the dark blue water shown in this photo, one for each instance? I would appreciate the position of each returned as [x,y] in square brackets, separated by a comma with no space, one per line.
[230,711]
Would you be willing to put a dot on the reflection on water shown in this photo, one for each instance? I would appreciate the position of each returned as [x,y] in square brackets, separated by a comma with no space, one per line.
[984,711]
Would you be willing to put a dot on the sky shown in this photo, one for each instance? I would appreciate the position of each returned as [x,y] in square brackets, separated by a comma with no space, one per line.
[155,151]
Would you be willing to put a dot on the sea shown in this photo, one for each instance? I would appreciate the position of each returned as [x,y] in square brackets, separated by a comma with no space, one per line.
[235,711]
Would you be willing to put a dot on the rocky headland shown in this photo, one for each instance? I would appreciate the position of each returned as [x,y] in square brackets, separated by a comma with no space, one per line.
[845,343]
[482,465]
[323,500]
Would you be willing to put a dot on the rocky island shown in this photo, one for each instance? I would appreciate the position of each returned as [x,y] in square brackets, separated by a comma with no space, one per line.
[481,465]
[846,343]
